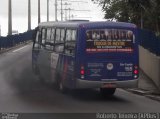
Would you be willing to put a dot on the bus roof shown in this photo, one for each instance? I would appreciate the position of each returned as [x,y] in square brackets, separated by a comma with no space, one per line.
[86,24]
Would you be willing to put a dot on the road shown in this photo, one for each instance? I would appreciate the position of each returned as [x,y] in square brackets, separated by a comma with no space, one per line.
[21,91]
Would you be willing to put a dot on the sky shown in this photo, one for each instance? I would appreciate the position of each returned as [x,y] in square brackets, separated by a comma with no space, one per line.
[20,13]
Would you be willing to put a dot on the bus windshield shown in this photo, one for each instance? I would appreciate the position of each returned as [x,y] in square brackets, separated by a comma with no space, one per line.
[109,40]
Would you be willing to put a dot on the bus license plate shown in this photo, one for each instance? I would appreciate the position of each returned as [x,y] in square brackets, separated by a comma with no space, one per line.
[109,85]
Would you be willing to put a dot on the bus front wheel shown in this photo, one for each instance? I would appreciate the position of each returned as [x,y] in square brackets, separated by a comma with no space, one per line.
[107,91]
[35,68]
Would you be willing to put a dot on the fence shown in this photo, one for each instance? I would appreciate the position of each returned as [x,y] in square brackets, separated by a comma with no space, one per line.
[149,41]
[12,40]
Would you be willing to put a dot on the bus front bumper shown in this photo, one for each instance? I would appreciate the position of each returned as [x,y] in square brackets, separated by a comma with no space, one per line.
[84,84]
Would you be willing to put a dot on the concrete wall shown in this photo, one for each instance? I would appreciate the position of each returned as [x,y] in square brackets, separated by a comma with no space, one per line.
[150,64]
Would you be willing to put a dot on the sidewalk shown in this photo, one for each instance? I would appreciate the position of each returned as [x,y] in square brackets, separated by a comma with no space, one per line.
[146,87]
[14,47]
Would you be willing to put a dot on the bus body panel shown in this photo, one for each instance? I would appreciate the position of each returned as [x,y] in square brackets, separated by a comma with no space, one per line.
[95,64]
[66,69]
[44,63]
[90,70]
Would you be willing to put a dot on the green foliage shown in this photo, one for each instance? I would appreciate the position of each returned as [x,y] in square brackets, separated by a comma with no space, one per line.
[133,11]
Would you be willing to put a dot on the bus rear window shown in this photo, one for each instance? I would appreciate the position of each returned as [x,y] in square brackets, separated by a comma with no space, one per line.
[109,40]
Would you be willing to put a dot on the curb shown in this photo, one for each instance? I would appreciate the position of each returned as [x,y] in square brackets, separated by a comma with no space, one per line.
[154,97]
[14,47]
[139,91]
[149,94]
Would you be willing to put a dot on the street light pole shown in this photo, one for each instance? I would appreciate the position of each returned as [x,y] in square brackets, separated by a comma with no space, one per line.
[61,11]
[29,15]
[56,10]
[69,13]
[39,10]
[66,4]
[0,30]
[47,10]
[9,17]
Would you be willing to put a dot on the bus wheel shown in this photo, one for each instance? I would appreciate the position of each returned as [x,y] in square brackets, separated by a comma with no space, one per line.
[35,69]
[62,88]
[107,91]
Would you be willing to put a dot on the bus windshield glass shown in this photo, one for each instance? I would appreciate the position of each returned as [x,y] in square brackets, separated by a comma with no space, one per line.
[109,40]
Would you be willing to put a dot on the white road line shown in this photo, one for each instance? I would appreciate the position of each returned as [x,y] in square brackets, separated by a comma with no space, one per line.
[19,49]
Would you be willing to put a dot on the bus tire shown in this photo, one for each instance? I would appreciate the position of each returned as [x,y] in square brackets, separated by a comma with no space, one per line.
[62,88]
[35,68]
[107,91]
[60,84]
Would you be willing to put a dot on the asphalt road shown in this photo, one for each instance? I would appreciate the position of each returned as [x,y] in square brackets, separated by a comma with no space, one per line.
[21,91]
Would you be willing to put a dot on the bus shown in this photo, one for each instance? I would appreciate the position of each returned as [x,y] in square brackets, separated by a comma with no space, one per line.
[84,54]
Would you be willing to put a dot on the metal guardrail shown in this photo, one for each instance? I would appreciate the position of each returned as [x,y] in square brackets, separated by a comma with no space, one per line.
[12,40]
[149,41]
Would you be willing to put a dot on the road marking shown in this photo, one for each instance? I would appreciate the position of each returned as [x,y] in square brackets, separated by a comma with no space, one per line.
[19,49]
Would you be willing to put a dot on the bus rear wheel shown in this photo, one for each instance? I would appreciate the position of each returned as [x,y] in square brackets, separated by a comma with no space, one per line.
[107,91]
[62,88]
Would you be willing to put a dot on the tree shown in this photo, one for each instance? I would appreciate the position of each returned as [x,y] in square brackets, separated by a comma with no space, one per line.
[144,13]
[114,9]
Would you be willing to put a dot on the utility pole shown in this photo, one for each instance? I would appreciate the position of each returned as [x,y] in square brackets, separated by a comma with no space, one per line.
[39,11]
[69,13]
[69,16]
[61,11]
[29,15]
[68,9]
[56,10]
[66,4]
[47,10]
[65,14]
[62,8]
[9,17]
[0,30]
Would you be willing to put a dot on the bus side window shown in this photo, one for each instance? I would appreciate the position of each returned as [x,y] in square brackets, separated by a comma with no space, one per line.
[48,42]
[43,36]
[70,42]
[73,35]
[52,35]
[59,42]
[37,42]
[68,35]
[58,35]
[48,35]
[62,35]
